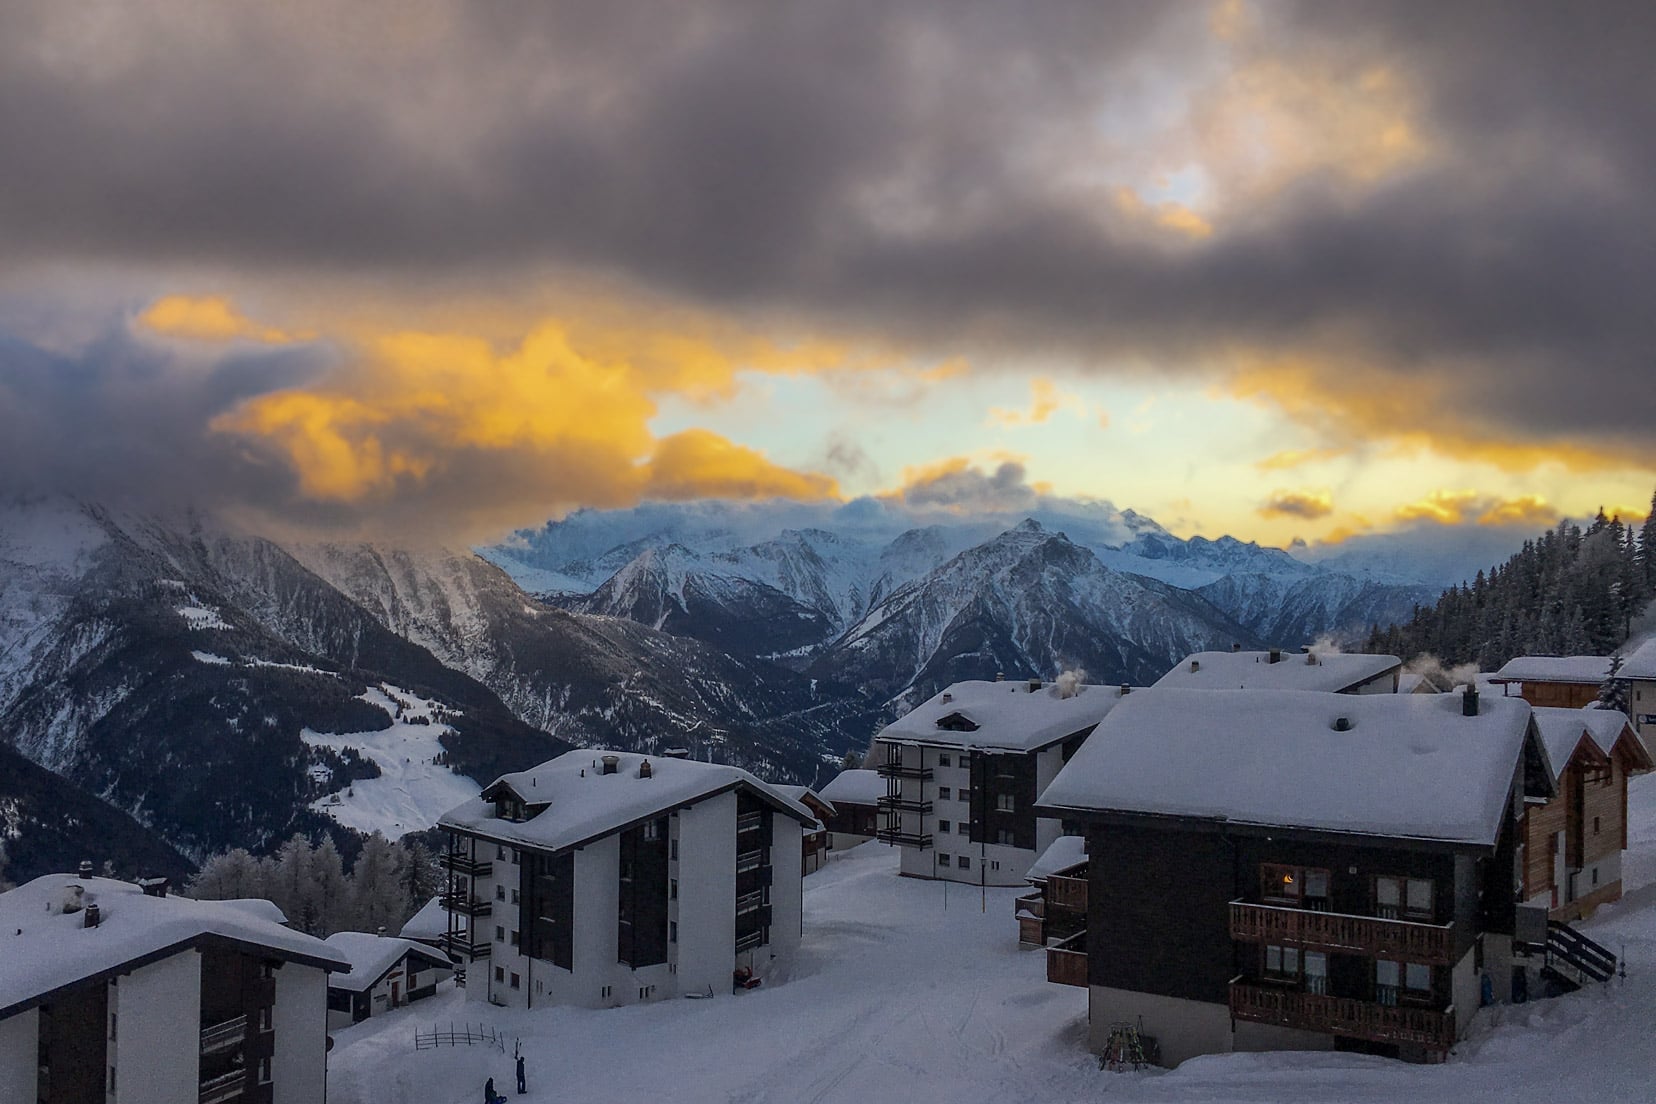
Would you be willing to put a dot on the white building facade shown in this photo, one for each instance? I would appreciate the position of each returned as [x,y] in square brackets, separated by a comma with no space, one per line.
[601,879]
[963,770]
[112,995]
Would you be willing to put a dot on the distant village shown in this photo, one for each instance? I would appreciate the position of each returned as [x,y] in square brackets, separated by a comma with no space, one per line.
[1264,850]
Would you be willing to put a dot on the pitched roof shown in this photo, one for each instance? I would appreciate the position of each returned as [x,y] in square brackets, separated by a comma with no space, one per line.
[1641,662]
[1331,672]
[43,949]
[855,787]
[1562,731]
[1063,853]
[427,924]
[1582,670]
[805,795]
[1407,766]
[1005,716]
[582,803]
[372,956]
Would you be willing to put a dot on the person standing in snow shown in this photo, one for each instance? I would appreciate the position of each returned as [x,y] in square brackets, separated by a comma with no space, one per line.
[521,1088]
[489,1096]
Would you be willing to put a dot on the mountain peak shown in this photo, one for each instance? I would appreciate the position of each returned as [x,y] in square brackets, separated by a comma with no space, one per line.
[1028,525]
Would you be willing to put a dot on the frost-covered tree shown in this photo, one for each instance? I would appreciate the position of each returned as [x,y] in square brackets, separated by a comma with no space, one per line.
[228,877]
[378,897]
[293,887]
[422,879]
[332,891]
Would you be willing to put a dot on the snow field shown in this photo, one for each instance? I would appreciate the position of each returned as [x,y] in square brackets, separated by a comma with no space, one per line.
[412,791]
[202,617]
[897,999]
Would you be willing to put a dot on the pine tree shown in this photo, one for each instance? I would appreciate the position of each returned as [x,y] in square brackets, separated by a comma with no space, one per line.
[421,878]
[332,892]
[293,888]
[232,876]
[378,897]
[1613,690]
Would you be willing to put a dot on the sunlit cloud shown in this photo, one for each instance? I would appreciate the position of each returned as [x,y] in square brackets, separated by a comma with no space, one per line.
[209,318]
[1309,505]
[1045,400]
[1295,458]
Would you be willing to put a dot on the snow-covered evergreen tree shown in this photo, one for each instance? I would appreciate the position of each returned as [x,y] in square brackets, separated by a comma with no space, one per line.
[378,897]
[422,879]
[333,892]
[293,886]
[231,876]
[1613,690]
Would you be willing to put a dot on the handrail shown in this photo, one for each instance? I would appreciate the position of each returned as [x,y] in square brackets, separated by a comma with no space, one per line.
[228,1031]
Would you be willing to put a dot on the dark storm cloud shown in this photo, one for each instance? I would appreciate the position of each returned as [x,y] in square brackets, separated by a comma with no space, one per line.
[889,166]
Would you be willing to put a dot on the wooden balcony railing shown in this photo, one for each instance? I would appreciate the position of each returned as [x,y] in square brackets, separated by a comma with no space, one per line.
[463,946]
[1066,893]
[461,863]
[892,803]
[1067,961]
[1033,903]
[898,770]
[1359,1019]
[1338,931]
[749,822]
[467,905]
[901,838]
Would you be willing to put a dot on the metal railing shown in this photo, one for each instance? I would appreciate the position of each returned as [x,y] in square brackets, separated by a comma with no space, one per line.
[898,770]
[894,803]
[749,860]
[749,902]
[461,863]
[748,822]
[750,940]
[225,1087]
[224,1036]
[467,905]
[1374,936]
[904,839]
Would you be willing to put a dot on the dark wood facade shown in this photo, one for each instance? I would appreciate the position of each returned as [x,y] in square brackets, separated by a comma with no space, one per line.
[1003,799]
[641,916]
[753,872]
[238,1000]
[548,907]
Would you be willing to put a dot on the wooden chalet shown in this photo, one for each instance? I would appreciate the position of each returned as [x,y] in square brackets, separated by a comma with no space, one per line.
[1554,682]
[1056,910]
[1288,870]
[855,796]
[817,840]
[1572,845]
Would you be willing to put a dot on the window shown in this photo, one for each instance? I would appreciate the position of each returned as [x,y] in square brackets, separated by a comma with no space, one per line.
[264,1071]
[994,864]
[1316,971]
[500,973]
[500,933]
[1295,886]
[1403,898]
[112,1027]
[965,862]
[964,793]
[514,856]
[603,994]
[515,940]
[943,761]
[673,850]
[500,852]
[1005,838]
[514,896]
[942,859]
[672,931]
[652,830]
[943,826]
[1005,804]
[672,889]
[111,1079]
[517,983]
[942,793]
[1282,963]
[500,893]
[1595,826]
[1405,980]
[267,969]
[264,1015]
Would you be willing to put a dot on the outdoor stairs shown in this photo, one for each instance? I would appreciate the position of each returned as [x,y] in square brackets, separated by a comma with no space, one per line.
[1573,960]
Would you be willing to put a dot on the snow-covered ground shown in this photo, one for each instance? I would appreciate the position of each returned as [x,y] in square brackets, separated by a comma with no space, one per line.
[412,790]
[897,998]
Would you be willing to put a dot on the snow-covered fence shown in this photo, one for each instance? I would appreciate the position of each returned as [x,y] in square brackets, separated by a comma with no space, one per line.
[464,1035]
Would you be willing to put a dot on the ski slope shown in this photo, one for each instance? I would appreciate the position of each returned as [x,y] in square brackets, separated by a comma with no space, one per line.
[896,998]
[412,790]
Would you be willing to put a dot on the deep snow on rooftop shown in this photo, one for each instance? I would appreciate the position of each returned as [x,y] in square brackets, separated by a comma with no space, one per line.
[1330,671]
[1008,715]
[1589,670]
[855,787]
[372,955]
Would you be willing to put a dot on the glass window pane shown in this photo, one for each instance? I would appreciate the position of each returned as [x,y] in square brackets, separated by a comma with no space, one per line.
[1290,960]
[1420,895]
[1386,891]
[1273,959]
[1316,964]
[1386,973]
[1316,883]
[1419,977]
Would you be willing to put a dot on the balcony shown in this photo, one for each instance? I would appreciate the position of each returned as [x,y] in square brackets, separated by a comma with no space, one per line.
[750,902]
[749,941]
[1066,893]
[464,946]
[749,822]
[889,803]
[224,1036]
[898,770]
[901,838]
[1373,936]
[1067,961]
[1358,1019]
[223,1088]
[750,860]
[467,905]
[461,863]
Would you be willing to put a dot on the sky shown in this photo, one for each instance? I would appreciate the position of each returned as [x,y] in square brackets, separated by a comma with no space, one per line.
[1289,271]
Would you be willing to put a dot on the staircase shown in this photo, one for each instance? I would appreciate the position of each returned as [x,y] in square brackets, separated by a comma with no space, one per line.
[1573,960]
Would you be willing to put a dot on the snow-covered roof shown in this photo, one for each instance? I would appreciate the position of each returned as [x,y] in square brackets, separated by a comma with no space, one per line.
[372,956]
[1002,715]
[1063,853]
[1640,663]
[1411,682]
[1587,670]
[800,793]
[582,803]
[43,949]
[855,787]
[1331,672]
[427,924]
[1562,731]
[1407,765]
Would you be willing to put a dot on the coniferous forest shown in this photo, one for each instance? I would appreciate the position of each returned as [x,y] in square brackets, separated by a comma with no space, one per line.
[1570,591]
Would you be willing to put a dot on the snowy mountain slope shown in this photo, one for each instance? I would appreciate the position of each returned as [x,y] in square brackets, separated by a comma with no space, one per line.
[1293,611]
[1028,602]
[599,680]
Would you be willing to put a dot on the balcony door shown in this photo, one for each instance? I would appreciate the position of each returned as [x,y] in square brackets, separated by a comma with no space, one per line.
[1294,886]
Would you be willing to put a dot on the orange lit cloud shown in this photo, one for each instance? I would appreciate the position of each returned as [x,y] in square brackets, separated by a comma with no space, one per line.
[1306,504]
[1453,507]
[1045,400]
[431,425]
[1294,458]
[208,318]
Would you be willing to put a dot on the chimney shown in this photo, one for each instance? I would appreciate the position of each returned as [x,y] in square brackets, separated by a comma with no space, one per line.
[380,931]
[644,770]
[1310,659]
[154,887]
[947,697]
[86,868]
[1034,685]
[1126,688]
[1195,665]
[1235,647]
[611,763]
[92,917]
[675,753]
[1276,655]
[1469,701]
[1000,676]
